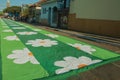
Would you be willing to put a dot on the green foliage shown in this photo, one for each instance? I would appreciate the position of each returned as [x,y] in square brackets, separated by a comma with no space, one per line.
[1,13]
[12,9]
[25,12]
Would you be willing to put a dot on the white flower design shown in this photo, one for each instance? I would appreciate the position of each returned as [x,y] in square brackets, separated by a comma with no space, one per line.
[11,38]
[22,56]
[84,48]
[13,25]
[5,26]
[42,42]
[72,63]
[27,33]
[52,35]
[37,30]
[8,30]
[18,28]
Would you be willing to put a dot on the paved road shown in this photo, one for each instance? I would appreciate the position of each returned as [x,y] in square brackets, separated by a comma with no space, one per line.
[109,71]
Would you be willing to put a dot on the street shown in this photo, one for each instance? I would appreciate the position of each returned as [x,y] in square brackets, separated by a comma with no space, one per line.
[33,52]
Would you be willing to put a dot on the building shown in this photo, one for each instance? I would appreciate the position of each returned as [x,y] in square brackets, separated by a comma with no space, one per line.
[53,12]
[95,16]
[8,3]
[63,13]
[49,13]
[24,12]
[35,12]
[38,11]
[31,15]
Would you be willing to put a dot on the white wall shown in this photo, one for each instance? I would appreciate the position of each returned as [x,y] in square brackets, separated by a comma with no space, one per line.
[96,9]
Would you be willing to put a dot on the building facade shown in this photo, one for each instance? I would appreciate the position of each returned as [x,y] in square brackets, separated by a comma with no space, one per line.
[35,12]
[98,17]
[31,12]
[24,12]
[53,12]
[49,13]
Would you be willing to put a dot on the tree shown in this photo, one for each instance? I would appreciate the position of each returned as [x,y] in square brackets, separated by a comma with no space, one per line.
[13,10]
[1,13]
[25,12]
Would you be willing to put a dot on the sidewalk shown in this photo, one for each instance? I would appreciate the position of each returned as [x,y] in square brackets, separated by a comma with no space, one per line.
[92,37]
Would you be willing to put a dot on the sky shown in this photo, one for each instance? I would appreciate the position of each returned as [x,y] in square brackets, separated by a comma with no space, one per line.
[15,3]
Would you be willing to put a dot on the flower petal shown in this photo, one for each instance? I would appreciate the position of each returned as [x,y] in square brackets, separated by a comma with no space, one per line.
[95,61]
[33,60]
[21,60]
[61,63]
[70,58]
[63,70]
[85,60]
[14,55]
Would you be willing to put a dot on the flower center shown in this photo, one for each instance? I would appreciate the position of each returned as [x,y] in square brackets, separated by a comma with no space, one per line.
[81,65]
[27,32]
[77,47]
[30,54]
[42,42]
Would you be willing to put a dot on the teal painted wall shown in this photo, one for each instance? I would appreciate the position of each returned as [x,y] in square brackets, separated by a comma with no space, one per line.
[96,9]
[45,15]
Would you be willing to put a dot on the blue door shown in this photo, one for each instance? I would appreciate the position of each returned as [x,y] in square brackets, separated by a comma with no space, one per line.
[49,16]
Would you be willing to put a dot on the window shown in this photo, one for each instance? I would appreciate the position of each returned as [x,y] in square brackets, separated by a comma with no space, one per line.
[44,10]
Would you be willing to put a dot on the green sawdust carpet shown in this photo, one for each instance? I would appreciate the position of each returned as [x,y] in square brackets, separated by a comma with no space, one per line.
[28,53]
